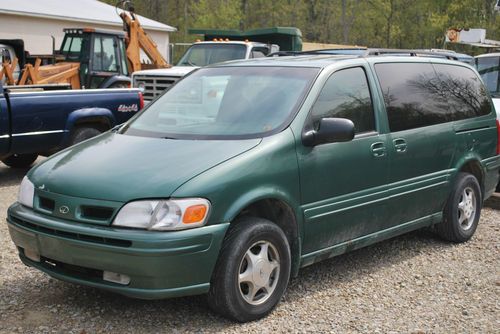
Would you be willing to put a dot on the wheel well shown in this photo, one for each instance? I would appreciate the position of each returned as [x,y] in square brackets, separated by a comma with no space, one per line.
[282,215]
[474,168]
[100,123]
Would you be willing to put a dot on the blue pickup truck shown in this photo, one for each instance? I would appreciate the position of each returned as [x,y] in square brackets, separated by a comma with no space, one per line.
[34,123]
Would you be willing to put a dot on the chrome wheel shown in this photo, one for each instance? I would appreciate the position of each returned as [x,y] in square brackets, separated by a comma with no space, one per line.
[467,208]
[259,271]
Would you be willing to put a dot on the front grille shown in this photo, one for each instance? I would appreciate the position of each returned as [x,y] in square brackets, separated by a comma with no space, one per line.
[47,203]
[153,85]
[71,235]
[97,213]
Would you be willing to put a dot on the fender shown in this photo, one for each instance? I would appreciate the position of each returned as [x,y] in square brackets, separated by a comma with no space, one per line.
[86,114]
[272,192]
[116,79]
[261,193]
[468,158]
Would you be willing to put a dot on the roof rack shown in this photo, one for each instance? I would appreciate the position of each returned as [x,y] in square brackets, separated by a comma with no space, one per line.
[365,52]
[412,53]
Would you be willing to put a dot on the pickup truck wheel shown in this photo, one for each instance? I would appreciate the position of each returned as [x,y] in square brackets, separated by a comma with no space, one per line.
[20,160]
[83,133]
[252,270]
[462,211]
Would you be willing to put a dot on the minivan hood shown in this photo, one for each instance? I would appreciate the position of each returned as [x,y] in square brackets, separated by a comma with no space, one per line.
[118,167]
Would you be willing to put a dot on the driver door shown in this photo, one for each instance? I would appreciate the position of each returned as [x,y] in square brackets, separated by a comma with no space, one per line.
[341,182]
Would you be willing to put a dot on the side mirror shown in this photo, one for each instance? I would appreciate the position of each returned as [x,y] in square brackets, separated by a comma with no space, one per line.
[331,130]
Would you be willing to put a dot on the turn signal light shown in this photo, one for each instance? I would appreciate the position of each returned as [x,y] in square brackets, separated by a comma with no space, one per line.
[194,214]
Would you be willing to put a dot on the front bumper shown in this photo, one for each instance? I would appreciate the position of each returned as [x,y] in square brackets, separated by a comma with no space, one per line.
[159,264]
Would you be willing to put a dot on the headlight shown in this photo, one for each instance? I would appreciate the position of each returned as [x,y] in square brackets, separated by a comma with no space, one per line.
[26,193]
[164,215]
[141,85]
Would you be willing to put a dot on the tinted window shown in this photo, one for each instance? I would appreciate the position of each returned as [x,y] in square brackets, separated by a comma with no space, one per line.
[462,89]
[415,96]
[346,95]
[410,98]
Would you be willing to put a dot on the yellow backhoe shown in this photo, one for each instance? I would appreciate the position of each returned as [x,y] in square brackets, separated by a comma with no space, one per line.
[93,58]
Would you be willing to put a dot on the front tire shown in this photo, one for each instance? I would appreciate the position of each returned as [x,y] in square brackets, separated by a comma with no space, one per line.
[20,160]
[462,211]
[83,133]
[252,271]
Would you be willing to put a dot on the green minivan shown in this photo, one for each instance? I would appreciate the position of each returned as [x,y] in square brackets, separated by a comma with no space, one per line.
[244,172]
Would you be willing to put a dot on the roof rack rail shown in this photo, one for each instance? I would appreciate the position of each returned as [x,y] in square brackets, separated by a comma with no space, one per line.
[365,52]
[412,53]
[361,51]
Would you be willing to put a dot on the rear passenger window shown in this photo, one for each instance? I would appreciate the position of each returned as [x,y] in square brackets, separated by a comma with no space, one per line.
[346,95]
[463,90]
[415,96]
[412,95]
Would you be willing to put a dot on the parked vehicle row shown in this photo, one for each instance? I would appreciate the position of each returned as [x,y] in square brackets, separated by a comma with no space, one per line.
[244,172]
[34,123]
[155,82]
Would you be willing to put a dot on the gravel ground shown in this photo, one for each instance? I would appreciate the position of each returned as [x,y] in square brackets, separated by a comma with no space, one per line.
[411,284]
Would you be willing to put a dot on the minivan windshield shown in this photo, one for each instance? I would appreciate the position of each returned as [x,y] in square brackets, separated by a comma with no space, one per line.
[206,54]
[226,103]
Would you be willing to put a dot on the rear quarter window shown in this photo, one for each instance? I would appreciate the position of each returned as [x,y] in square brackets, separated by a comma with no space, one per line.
[464,91]
[423,94]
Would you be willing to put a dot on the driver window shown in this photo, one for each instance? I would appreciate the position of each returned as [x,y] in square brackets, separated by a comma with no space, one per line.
[346,95]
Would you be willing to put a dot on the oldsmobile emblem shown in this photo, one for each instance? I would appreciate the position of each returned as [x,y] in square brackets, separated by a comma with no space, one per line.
[64,209]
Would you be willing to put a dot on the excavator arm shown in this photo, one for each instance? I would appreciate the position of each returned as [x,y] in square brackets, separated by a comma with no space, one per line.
[138,40]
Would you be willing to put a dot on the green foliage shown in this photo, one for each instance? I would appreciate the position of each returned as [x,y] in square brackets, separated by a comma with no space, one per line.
[374,23]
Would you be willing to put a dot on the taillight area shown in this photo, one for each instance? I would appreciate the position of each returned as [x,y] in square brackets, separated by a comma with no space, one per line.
[141,104]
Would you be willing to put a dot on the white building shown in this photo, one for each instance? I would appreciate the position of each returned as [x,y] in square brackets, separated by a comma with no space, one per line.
[35,21]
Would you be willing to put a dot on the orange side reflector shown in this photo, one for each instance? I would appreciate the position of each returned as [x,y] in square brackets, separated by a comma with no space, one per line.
[194,214]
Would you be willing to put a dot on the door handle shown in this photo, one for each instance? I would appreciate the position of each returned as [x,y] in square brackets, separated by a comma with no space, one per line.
[400,145]
[378,149]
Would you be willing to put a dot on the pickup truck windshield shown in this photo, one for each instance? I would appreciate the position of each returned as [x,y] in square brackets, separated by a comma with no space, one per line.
[489,69]
[226,103]
[206,54]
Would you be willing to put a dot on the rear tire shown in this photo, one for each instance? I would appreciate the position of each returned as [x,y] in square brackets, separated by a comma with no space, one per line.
[20,160]
[462,211]
[83,133]
[252,270]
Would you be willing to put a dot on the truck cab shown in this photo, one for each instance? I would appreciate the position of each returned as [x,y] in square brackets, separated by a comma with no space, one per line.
[101,54]
[154,82]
